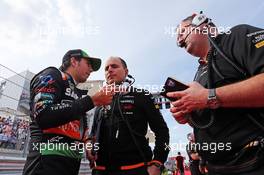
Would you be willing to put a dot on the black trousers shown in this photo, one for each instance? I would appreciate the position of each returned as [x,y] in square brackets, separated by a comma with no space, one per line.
[259,171]
[136,171]
[252,157]
[51,165]
[194,168]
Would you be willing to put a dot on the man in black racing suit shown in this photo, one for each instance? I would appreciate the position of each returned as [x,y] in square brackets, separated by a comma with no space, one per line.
[120,130]
[58,108]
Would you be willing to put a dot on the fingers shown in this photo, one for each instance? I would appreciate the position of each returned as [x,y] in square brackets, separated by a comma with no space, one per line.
[176,94]
[179,115]
[178,108]
[102,98]
[193,98]
[113,89]
[108,90]
[90,156]
[177,103]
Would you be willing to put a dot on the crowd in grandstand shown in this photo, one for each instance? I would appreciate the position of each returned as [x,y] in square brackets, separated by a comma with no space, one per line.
[13,132]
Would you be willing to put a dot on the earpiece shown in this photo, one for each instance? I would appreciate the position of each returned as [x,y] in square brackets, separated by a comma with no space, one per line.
[200,19]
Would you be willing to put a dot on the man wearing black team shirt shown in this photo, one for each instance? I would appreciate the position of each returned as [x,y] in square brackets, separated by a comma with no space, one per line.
[121,130]
[226,101]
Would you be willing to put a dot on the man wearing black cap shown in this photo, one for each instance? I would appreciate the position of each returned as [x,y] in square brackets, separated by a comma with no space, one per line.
[58,108]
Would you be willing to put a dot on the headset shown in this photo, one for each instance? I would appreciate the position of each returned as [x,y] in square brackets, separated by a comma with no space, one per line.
[126,84]
[130,79]
[198,20]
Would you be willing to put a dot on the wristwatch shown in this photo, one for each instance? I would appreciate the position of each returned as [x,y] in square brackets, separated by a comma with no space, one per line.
[212,100]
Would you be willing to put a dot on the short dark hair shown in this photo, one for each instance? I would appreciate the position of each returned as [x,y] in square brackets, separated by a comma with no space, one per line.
[123,62]
[189,18]
[66,64]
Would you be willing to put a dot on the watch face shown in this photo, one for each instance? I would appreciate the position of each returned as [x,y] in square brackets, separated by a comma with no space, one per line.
[213,103]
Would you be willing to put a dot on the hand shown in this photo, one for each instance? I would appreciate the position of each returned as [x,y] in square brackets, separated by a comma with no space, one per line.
[193,98]
[104,96]
[202,169]
[153,170]
[92,158]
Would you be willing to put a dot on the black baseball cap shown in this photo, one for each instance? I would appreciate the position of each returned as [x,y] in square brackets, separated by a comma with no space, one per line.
[78,53]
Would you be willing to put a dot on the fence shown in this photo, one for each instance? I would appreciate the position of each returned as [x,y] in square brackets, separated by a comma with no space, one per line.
[14,166]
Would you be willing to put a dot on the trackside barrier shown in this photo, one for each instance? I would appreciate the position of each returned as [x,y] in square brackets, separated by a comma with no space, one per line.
[14,166]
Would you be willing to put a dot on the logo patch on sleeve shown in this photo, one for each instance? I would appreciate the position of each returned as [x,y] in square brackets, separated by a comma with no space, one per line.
[259,44]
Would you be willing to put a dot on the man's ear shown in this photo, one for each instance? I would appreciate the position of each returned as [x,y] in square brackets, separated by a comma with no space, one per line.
[126,71]
[73,62]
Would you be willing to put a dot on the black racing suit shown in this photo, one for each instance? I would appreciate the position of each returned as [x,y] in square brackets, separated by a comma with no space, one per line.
[117,146]
[58,111]
[222,144]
